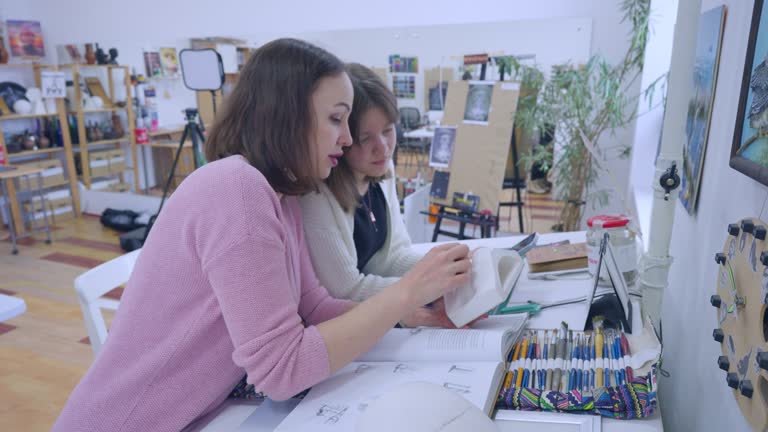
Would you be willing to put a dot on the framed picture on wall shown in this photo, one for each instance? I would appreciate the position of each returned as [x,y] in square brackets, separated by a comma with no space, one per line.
[700,105]
[749,152]
[26,39]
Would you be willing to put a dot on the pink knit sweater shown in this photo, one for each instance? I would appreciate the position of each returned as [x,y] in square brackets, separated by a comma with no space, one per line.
[223,287]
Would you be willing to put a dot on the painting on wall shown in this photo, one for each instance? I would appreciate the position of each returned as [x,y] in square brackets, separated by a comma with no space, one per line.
[404,87]
[749,152]
[708,43]
[26,39]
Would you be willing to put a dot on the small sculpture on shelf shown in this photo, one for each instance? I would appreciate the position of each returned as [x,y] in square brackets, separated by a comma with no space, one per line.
[101,56]
[28,141]
[90,56]
[113,56]
[117,126]
[3,52]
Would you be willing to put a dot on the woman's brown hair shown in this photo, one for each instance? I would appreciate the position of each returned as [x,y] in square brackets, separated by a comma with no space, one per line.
[268,117]
[370,93]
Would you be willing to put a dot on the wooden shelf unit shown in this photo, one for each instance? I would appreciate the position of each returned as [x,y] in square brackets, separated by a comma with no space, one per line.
[130,136]
[28,156]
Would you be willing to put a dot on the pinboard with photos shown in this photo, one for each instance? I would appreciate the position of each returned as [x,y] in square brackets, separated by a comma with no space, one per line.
[483,113]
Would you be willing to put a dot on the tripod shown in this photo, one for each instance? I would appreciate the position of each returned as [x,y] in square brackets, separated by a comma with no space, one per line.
[135,239]
[193,130]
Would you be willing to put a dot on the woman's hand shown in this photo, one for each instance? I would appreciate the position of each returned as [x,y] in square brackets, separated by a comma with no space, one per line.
[433,316]
[442,270]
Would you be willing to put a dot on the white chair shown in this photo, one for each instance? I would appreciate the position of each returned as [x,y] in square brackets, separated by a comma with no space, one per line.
[91,287]
[415,221]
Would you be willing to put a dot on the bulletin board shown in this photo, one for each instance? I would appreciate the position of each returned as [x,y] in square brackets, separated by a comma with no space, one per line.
[481,150]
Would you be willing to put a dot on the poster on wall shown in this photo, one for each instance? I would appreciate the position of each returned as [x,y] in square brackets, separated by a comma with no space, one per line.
[170,62]
[749,152]
[403,64]
[708,43]
[441,151]
[25,39]
[152,64]
[404,87]
[478,102]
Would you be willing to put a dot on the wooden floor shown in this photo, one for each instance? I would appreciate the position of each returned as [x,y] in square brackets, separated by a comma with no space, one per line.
[45,351]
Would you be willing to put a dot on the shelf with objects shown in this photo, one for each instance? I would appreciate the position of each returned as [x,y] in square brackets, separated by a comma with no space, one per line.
[32,136]
[102,125]
[162,145]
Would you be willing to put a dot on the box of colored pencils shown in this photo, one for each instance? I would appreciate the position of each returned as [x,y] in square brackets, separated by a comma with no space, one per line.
[589,372]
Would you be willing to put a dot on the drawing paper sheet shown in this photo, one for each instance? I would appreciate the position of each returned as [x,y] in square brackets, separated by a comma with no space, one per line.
[336,403]
[427,344]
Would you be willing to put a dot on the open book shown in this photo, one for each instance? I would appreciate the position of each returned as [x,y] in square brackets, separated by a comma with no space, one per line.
[494,274]
[468,362]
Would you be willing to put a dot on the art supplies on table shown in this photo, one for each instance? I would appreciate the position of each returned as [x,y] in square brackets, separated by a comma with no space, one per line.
[584,300]
[468,362]
[602,372]
[494,274]
[557,257]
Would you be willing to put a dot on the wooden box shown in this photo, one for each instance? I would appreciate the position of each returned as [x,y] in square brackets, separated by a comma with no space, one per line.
[99,163]
[52,176]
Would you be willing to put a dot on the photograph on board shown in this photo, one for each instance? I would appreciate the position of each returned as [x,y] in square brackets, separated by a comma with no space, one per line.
[443,143]
[478,102]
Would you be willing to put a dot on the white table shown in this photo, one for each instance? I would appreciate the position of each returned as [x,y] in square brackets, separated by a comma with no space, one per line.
[427,132]
[235,412]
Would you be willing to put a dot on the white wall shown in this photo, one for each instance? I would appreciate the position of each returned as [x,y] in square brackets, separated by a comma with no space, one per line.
[658,53]
[695,397]
[146,24]
[552,41]
[141,24]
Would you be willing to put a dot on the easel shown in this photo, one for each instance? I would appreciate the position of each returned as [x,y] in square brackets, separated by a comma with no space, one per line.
[486,223]
[516,183]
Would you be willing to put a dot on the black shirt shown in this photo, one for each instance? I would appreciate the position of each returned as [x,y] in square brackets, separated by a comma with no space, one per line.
[370,233]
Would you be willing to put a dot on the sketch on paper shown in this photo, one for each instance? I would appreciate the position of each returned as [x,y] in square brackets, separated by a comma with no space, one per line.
[332,413]
[362,368]
[402,368]
[458,388]
[460,369]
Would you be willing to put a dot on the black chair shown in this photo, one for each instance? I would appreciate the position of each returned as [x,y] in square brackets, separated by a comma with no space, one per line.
[410,118]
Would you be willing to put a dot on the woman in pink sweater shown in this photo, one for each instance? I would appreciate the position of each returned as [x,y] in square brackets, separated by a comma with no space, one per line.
[224,286]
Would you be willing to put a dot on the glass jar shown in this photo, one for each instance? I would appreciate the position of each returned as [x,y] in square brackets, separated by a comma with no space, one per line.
[623,242]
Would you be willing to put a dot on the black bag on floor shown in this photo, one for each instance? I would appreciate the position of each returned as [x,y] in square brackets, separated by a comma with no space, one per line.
[120,220]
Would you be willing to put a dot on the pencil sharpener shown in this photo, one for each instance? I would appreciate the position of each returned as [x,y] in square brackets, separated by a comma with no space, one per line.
[733,229]
[718,335]
[745,387]
[760,232]
[747,226]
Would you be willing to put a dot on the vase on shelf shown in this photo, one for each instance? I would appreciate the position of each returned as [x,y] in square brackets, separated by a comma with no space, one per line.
[3,52]
[90,55]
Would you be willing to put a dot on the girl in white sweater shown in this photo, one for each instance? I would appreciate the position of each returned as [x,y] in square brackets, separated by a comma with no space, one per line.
[353,227]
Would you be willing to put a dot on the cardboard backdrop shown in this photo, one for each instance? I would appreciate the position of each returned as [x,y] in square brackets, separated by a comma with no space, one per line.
[481,151]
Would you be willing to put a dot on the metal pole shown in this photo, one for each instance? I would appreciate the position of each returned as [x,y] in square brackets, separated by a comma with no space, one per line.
[655,264]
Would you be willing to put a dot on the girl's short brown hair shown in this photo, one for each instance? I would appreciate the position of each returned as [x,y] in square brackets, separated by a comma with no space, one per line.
[268,116]
[370,93]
